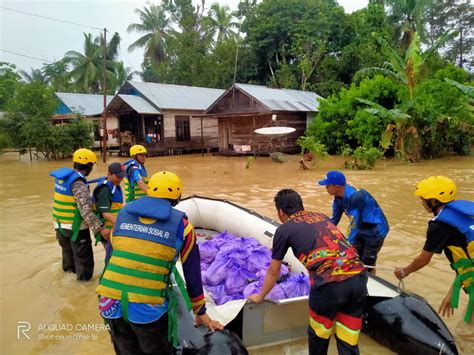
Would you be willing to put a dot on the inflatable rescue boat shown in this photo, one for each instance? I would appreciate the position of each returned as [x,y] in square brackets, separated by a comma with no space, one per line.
[401,321]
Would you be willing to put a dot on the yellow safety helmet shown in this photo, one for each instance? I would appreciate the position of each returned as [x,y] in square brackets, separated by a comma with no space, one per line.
[165,184]
[137,149]
[440,188]
[84,156]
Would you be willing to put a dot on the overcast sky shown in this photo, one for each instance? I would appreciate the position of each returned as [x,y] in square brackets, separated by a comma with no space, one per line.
[50,40]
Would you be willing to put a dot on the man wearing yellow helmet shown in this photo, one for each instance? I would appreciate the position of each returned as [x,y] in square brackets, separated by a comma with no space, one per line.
[136,297]
[452,231]
[73,215]
[137,176]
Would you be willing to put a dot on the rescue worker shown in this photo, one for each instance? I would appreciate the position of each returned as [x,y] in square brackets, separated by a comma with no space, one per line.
[73,215]
[337,277]
[368,225]
[108,200]
[136,300]
[452,231]
[137,177]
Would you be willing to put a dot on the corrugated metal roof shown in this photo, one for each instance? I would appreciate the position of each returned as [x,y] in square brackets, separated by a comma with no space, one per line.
[86,104]
[283,99]
[179,97]
[139,104]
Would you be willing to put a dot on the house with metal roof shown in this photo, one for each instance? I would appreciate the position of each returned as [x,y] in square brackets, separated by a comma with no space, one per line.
[243,108]
[162,117]
[91,107]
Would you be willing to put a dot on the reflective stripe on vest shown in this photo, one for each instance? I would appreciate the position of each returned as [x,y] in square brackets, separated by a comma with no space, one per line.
[65,209]
[458,214]
[143,255]
[117,200]
[132,190]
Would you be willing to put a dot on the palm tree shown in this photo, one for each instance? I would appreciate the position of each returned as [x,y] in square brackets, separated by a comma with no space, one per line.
[155,25]
[34,75]
[410,14]
[220,21]
[88,68]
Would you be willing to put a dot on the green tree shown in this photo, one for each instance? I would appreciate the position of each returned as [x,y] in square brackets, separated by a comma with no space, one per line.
[342,120]
[57,75]
[221,22]
[154,24]
[446,15]
[27,116]
[9,83]
[87,69]
[290,39]
[34,75]
[408,15]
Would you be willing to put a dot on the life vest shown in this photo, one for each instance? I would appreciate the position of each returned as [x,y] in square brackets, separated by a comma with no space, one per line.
[132,190]
[460,215]
[144,252]
[117,198]
[372,214]
[65,209]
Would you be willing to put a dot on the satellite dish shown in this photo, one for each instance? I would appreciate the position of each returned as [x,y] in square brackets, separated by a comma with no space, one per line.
[274,131]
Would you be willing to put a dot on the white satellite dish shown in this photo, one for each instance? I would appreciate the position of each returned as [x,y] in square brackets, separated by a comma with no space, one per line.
[274,131]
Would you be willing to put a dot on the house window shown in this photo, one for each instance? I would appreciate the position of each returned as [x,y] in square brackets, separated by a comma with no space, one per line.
[183,133]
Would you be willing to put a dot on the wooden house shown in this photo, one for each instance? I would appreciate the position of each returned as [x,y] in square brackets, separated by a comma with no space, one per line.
[243,108]
[162,117]
[91,108]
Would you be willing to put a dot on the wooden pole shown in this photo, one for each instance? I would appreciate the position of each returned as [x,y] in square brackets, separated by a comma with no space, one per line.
[104,114]
[143,129]
[202,139]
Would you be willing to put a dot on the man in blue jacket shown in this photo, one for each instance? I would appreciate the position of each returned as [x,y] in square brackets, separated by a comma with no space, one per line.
[368,225]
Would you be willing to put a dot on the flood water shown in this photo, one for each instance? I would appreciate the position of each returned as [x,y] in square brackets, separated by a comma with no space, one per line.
[62,313]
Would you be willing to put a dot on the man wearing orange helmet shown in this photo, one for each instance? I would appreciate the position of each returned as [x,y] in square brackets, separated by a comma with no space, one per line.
[137,300]
[73,215]
[137,176]
[452,231]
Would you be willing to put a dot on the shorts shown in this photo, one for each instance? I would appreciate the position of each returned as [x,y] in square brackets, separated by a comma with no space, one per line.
[368,249]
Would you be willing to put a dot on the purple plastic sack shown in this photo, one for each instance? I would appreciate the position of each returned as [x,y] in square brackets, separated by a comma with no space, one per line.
[263,271]
[258,257]
[222,239]
[229,298]
[276,294]
[216,273]
[237,278]
[240,255]
[217,292]
[297,285]
[204,267]
[207,251]
[243,243]
[253,288]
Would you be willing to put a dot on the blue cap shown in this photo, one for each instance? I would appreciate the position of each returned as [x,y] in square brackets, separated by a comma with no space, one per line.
[333,177]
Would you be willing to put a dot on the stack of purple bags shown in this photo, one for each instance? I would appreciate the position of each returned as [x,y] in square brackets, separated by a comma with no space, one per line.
[234,268]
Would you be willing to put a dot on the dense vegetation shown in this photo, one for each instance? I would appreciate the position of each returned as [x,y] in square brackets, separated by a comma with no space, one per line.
[397,74]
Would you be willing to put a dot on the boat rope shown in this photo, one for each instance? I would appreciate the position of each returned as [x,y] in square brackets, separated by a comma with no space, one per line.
[401,284]
[379,267]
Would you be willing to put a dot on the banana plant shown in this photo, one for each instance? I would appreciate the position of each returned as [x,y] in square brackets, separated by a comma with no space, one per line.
[407,69]
[402,134]
[468,91]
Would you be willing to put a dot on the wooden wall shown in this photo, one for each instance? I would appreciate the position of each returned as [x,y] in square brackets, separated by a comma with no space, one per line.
[237,101]
[240,130]
[209,129]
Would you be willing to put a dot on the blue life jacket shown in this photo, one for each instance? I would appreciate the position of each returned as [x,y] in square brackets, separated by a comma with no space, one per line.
[65,209]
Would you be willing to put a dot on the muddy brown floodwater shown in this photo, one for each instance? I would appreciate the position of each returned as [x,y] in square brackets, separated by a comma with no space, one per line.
[62,313]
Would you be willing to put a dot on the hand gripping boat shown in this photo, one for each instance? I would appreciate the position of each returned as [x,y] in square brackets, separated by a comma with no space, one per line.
[403,322]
